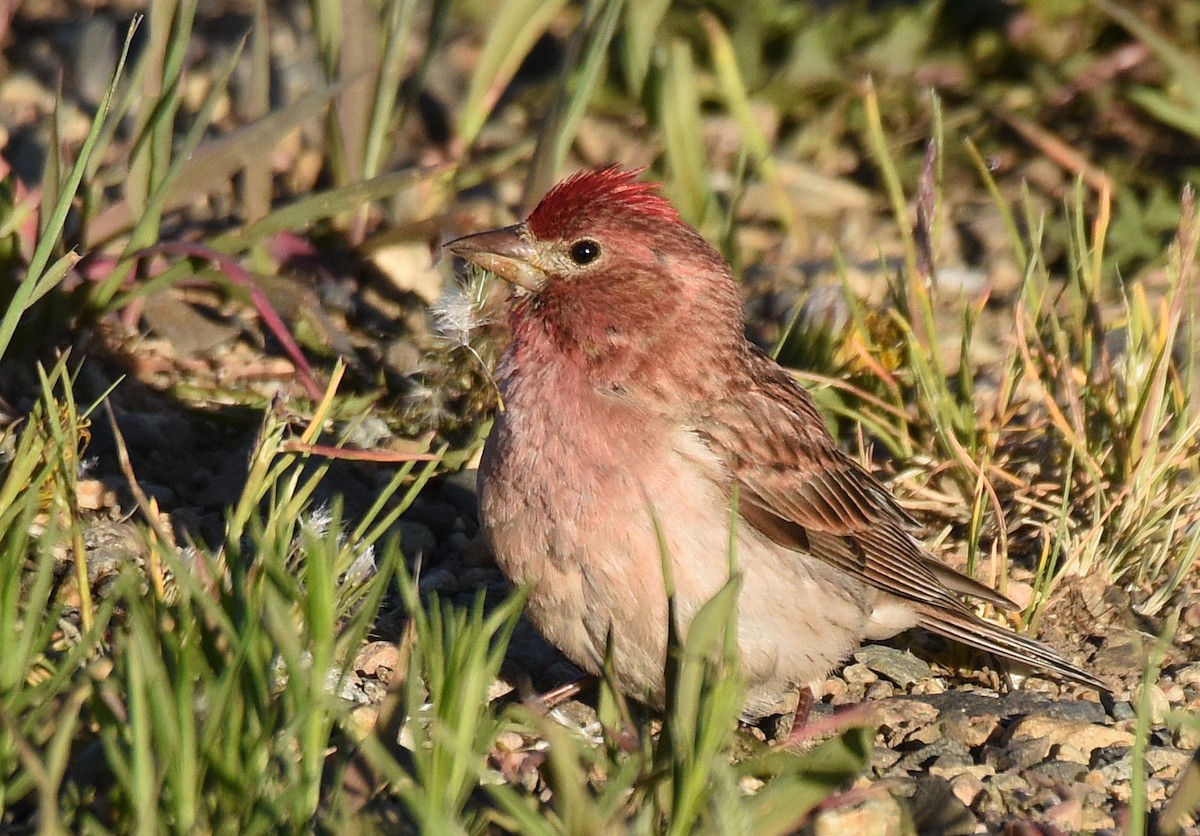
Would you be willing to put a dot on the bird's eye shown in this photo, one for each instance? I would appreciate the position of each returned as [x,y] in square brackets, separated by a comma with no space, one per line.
[585,251]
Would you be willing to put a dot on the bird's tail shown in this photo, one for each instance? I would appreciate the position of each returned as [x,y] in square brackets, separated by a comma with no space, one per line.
[971,630]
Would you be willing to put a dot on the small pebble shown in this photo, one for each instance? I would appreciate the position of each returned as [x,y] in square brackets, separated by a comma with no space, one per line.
[879,691]
[1157,702]
[857,672]
[1167,763]
[900,667]
[510,741]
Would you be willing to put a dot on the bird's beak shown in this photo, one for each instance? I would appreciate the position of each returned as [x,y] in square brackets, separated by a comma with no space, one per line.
[507,252]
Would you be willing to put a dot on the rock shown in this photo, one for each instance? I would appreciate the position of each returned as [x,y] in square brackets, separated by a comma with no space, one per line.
[858,673]
[929,686]
[375,690]
[1085,737]
[416,539]
[1059,773]
[459,489]
[439,516]
[1123,652]
[1002,793]
[1067,814]
[375,655]
[1167,763]
[928,734]
[945,753]
[899,666]
[1189,675]
[190,329]
[365,717]
[877,815]
[971,731]
[1115,776]
[1024,753]
[94,494]
[897,718]
[475,553]
[1122,710]
[1014,704]
[879,691]
[348,688]
[1095,820]
[1157,701]
[883,759]
[936,809]
[1186,737]
[966,782]
[510,741]
[1172,691]
[410,268]
[438,580]
[1107,755]
[110,545]
[835,692]
[1069,753]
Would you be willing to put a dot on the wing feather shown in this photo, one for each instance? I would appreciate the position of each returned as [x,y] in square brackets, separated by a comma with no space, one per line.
[798,488]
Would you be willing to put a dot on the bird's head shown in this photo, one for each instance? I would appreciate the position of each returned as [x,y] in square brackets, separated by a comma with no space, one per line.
[608,266]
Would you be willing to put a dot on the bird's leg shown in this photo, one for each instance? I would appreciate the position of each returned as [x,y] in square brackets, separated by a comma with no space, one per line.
[625,739]
[804,729]
[562,693]
[804,705]
[803,708]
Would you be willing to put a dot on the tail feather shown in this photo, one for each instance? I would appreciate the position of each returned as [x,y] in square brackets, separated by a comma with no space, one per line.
[992,638]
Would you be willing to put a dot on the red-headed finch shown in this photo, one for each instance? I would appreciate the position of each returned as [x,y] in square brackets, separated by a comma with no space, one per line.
[634,409]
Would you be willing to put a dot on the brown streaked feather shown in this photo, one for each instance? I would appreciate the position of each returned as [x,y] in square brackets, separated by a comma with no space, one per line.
[966,585]
[800,490]
[992,638]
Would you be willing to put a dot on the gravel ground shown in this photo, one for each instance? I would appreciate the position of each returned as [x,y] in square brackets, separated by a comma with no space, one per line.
[958,749]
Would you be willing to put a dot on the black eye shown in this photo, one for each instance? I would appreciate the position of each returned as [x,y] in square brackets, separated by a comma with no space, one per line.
[585,251]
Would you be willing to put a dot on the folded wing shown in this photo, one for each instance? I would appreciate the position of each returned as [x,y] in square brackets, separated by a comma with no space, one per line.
[799,489]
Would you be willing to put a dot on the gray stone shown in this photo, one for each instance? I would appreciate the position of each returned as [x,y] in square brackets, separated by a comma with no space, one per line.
[416,539]
[1059,773]
[1106,755]
[439,516]
[1119,771]
[1122,710]
[944,753]
[936,809]
[460,489]
[883,759]
[1001,795]
[438,580]
[1169,762]
[900,667]
[1189,675]
[971,730]
[898,718]
[1026,753]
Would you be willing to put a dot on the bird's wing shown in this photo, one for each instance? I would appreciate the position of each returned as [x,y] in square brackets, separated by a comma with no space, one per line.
[798,488]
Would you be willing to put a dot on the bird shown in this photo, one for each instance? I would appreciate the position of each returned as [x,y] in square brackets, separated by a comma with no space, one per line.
[637,417]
